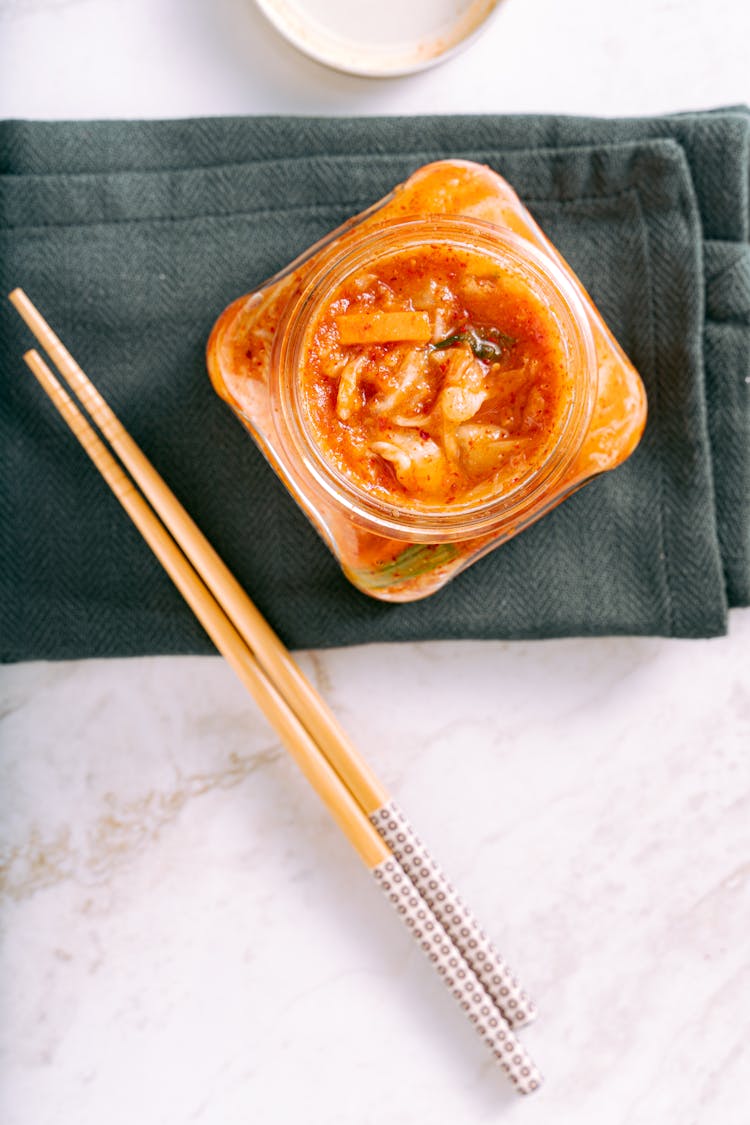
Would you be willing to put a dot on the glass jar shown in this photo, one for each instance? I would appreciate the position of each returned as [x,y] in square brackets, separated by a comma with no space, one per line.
[425,500]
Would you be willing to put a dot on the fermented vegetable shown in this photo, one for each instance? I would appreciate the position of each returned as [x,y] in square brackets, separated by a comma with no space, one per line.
[428,380]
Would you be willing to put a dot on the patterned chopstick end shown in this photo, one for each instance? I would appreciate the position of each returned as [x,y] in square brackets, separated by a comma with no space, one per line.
[460,922]
[458,976]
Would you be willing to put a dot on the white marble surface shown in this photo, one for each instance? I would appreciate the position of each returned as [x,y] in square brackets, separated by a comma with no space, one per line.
[185,936]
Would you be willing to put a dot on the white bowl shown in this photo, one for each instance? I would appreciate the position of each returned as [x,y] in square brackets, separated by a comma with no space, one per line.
[379,38]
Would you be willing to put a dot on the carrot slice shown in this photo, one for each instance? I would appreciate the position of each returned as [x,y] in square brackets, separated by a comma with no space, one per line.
[384,327]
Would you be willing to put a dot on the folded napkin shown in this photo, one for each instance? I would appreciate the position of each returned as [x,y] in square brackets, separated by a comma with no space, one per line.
[131,237]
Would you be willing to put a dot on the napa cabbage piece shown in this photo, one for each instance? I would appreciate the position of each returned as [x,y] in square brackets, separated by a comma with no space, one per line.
[463,391]
[408,385]
[483,447]
[417,460]
[464,387]
[348,395]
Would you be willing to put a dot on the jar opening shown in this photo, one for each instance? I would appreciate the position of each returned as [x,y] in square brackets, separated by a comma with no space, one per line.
[477,511]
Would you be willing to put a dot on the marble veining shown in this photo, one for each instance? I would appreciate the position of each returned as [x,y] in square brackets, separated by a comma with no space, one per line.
[177,905]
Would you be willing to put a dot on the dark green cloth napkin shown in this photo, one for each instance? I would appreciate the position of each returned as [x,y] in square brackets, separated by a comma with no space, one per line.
[132,236]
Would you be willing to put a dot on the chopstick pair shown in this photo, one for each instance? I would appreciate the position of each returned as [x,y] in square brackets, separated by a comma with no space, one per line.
[373,823]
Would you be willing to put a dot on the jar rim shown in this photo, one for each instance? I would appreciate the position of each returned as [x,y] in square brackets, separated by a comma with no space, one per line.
[542,273]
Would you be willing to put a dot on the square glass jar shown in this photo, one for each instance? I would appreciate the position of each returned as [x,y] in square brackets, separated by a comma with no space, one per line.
[408,497]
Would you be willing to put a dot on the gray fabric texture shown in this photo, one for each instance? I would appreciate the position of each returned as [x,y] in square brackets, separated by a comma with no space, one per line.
[131,237]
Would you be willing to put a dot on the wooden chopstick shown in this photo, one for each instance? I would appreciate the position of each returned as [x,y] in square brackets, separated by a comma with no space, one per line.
[249,622]
[318,771]
[308,705]
[344,809]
